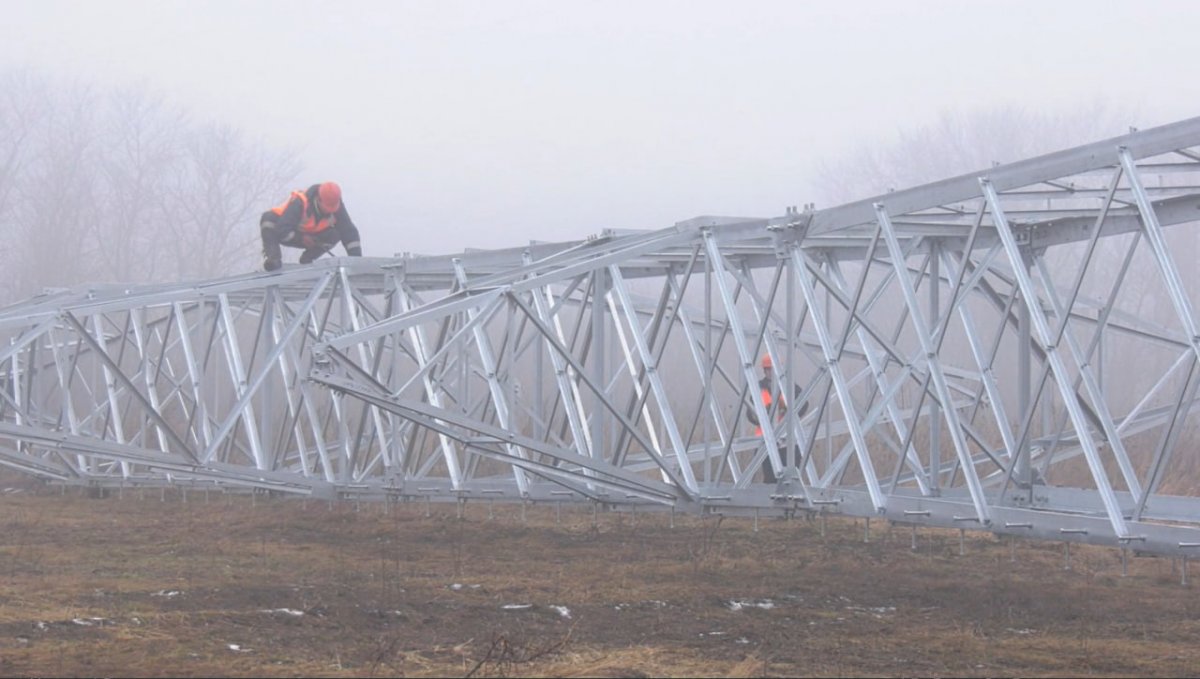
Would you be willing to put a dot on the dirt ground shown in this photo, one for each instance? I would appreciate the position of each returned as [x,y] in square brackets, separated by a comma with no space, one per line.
[150,584]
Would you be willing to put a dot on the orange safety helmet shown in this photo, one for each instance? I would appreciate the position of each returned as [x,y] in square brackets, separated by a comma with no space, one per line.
[766,362]
[329,197]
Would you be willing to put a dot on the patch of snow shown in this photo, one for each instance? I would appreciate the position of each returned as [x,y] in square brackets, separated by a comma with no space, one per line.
[652,603]
[288,611]
[516,607]
[879,611]
[563,611]
[167,593]
[765,604]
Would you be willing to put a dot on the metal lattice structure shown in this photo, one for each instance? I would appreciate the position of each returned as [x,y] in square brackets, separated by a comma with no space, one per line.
[1013,351]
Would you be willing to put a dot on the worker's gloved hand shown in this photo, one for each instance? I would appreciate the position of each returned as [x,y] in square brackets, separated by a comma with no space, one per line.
[271,264]
[354,251]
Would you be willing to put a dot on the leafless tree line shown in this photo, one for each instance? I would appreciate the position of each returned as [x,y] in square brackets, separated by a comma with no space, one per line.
[962,141]
[119,185]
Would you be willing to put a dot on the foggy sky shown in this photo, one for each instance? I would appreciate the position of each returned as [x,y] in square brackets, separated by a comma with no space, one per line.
[456,124]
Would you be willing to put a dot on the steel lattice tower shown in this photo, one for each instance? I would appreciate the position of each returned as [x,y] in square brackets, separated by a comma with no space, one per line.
[1013,351]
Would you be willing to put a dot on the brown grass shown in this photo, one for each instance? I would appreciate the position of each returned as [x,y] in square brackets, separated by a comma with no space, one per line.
[146,587]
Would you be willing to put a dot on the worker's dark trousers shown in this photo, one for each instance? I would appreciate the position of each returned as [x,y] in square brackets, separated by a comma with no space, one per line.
[769,473]
[271,242]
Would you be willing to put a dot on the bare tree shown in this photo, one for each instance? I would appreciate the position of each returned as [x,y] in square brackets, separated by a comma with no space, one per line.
[21,104]
[122,186]
[49,245]
[217,193]
[960,142]
[142,144]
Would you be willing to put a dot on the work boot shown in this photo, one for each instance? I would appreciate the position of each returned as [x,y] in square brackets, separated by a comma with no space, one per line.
[272,256]
[313,253]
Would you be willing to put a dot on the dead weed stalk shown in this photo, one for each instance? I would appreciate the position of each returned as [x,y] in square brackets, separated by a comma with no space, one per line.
[504,656]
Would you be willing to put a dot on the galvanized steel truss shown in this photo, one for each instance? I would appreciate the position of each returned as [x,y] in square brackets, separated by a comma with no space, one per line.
[1013,351]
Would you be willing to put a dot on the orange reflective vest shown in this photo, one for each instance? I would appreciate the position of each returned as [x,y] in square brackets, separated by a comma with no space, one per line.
[767,400]
[310,224]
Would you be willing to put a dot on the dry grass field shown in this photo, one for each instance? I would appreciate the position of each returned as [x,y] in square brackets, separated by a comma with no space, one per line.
[150,584]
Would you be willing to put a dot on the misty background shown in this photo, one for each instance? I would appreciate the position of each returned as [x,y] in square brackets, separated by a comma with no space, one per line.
[141,140]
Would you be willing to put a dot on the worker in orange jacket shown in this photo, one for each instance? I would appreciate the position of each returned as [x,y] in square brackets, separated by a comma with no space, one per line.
[314,220]
[771,396]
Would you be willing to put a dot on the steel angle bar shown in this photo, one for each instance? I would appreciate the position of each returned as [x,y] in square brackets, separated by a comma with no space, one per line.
[1170,436]
[568,389]
[763,309]
[330,466]
[105,299]
[694,350]
[933,365]
[246,388]
[196,378]
[62,370]
[24,462]
[420,345]
[1091,385]
[580,259]
[499,399]
[878,373]
[149,379]
[621,253]
[354,303]
[477,318]
[888,345]
[414,315]
[1038,349]
[131,454]
[1062,378]
[836,294]
[849,410]
[639,398]
[940,328]
[1059,526]
[985,363]
[36,332]
[1094,156]
[695,453]
[745,358]
[1102,324]
[1183,308]
[564,361]
[1122,323]
[1171,509]
[450,424]
[1166,266]
[837,466]
[650,365]
[764,338]
[113,372]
